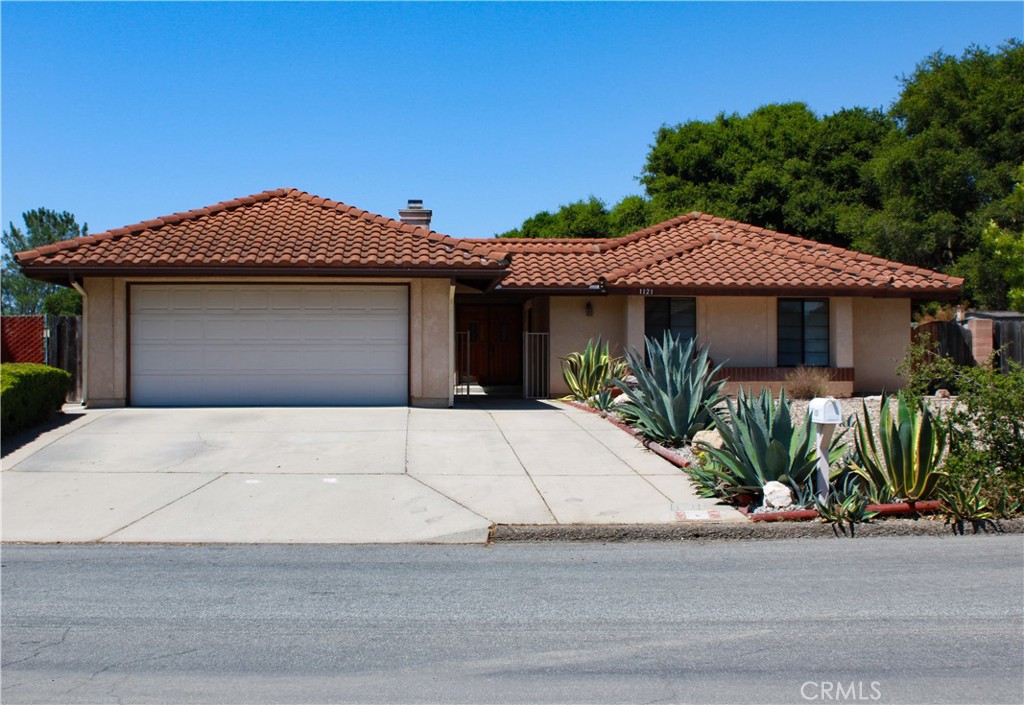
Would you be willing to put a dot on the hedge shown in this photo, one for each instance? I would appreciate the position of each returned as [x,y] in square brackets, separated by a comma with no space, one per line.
[30,393]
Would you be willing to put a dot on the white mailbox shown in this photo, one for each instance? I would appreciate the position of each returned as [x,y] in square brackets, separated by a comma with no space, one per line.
[825,410]
[826,415]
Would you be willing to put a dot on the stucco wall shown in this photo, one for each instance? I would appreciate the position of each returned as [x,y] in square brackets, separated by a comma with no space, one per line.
[881,336]
[571,328]
[738,330]
[430,334]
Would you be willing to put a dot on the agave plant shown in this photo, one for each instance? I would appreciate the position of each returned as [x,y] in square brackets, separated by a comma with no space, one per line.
[760,444]
[906,458]
[961,504]
[591,371]
[671,399]
[845,507]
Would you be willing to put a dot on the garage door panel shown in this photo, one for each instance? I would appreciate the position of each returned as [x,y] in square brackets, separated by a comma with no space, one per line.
[269,344]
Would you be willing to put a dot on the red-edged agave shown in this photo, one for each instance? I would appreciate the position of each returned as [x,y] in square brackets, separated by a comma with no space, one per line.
[906,458]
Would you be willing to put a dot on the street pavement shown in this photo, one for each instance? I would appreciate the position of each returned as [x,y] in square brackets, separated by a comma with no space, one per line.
[886,620]
[333,475]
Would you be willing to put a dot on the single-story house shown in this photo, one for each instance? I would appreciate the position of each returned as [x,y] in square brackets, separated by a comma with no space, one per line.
[285,298]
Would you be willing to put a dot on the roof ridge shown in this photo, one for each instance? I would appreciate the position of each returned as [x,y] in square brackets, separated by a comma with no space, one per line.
[668,253]
[262,196]
[144,225]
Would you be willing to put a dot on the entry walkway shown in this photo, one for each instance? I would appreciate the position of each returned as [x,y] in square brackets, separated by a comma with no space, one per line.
[330,475]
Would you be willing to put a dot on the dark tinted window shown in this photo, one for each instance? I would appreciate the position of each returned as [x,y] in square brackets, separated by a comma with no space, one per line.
[678,315]
[803,332]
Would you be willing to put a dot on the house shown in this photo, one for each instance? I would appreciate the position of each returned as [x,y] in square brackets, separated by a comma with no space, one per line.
[287,298]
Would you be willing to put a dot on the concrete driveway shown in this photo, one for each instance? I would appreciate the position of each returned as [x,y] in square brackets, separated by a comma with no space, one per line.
[329,475]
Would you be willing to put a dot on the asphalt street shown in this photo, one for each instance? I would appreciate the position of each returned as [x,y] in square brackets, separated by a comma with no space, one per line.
[908,620]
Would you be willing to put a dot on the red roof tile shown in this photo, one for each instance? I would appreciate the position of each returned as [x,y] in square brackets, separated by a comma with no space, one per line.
[700,253]
[277,229]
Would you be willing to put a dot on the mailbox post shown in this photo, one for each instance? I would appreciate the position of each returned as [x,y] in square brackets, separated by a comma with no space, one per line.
[825,415]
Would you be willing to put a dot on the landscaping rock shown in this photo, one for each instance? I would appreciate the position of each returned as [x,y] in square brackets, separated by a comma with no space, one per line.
[942,394]
[777,495]
[710,438]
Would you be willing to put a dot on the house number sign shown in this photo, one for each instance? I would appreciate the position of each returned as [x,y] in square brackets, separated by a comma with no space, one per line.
[646,292]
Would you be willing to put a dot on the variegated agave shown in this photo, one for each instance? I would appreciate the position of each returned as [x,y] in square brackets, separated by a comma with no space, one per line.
[590,372]
[906,458]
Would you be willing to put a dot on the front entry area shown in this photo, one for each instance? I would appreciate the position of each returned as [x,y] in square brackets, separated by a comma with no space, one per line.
[490,344]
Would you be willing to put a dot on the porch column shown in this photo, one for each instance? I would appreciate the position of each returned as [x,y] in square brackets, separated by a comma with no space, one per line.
[841,333]
[635,322]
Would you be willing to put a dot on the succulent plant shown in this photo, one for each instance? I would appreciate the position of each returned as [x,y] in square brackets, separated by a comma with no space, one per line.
[906,458]
[672,396]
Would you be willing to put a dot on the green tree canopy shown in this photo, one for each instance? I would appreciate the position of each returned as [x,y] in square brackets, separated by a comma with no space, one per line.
[24,296]
[947,170]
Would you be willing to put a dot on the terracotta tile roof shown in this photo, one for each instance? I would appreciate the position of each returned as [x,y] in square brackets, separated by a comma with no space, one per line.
[273,230]
[289,231]
[698,253]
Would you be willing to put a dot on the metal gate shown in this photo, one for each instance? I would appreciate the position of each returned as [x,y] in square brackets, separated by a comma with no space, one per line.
[535,365]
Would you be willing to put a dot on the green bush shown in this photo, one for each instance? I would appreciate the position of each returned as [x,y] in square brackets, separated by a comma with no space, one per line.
[30,393]
[987,432]
[672,398]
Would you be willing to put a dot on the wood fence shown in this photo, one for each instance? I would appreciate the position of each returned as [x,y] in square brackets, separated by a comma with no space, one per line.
[63,339]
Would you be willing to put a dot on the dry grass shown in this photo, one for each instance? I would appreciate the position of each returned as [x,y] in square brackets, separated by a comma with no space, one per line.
[807,383]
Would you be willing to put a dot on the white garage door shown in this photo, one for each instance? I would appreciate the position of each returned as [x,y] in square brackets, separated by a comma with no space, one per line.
[292,345]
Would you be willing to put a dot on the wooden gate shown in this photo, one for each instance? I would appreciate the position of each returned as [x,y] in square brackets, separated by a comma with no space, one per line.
[64,349]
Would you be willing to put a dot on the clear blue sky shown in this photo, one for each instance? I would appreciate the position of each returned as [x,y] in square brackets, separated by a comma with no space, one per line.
[488,112]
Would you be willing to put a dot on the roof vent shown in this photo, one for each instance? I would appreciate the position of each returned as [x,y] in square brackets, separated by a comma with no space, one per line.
[416,214]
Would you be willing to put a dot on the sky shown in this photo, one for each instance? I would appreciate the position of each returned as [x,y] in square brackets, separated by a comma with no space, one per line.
[489,112]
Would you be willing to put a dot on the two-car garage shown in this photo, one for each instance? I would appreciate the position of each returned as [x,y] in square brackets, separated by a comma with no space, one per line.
[268,344]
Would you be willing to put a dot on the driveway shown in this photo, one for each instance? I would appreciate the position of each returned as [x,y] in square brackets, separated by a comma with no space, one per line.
[329,475]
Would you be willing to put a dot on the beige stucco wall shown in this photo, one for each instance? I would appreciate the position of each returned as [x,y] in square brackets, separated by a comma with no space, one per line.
[430,334]
[882,334]
[738,330]
[571,328]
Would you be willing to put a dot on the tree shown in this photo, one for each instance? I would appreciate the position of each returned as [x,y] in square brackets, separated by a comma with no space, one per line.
[578,219]
[994,272]
[945,173]
[21,295]
[780,167]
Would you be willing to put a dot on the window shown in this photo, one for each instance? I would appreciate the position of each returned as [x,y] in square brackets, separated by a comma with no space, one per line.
[803,332]
[670,314]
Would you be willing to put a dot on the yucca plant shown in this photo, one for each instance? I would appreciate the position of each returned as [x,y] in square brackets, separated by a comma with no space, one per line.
[672,396]
[591,371]
[906,458]
[961,504]
[760,443]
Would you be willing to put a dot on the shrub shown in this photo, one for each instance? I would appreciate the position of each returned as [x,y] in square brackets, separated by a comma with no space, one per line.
[807,382]
[906,458]
[987,438]
[672,398]
[590,372]
[760,444]
[926,370]
[30,393]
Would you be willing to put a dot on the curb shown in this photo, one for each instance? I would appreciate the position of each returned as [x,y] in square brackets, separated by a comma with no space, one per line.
[709,531]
